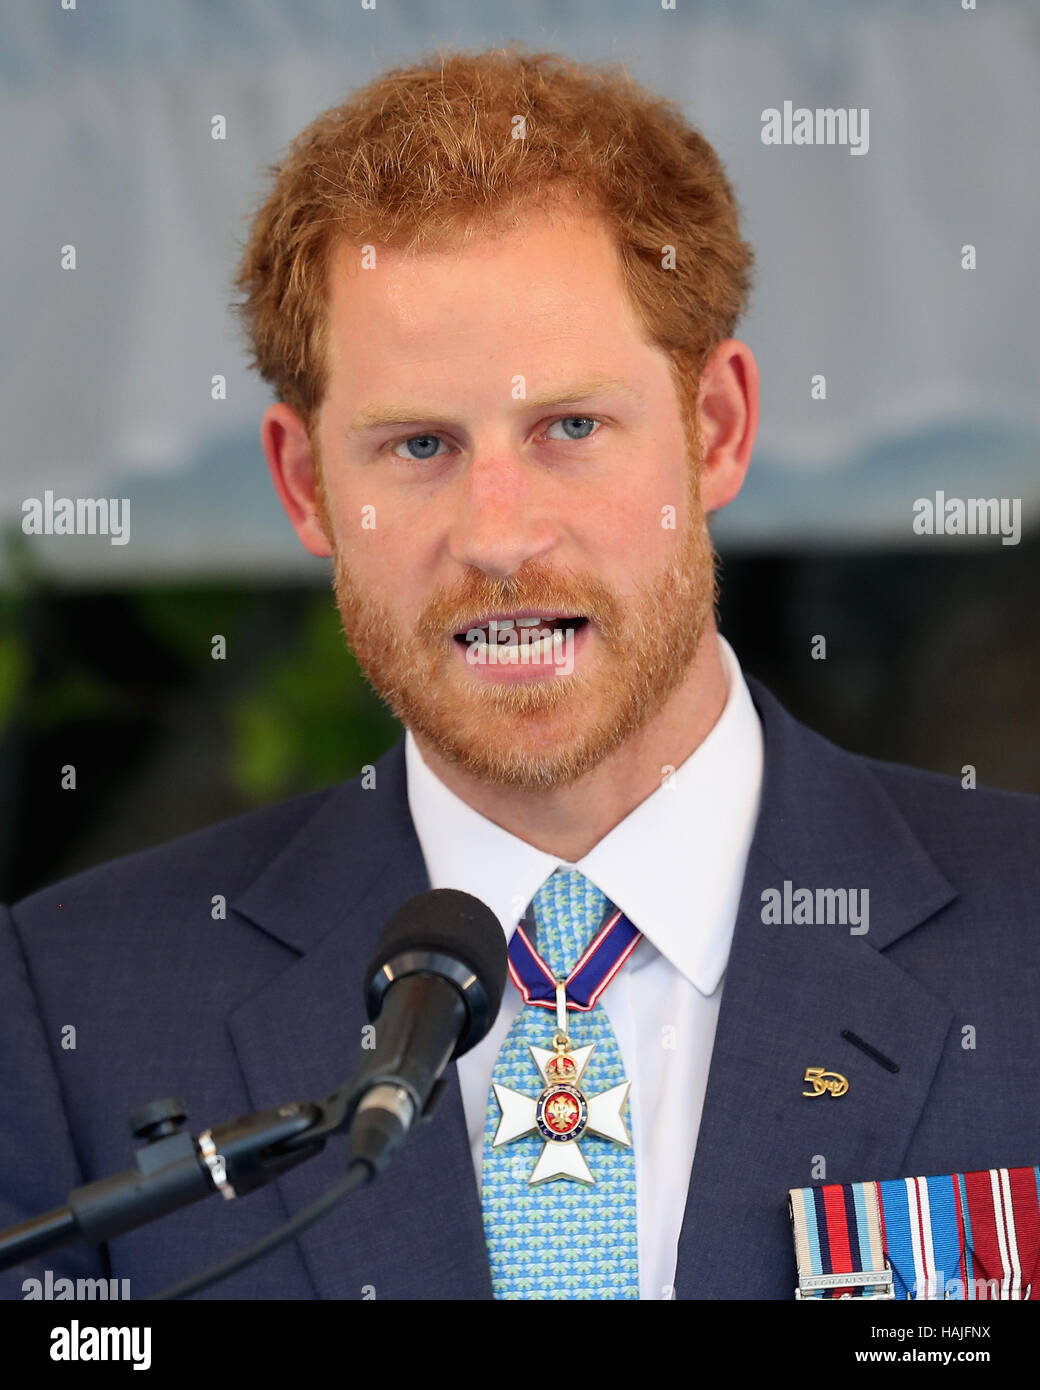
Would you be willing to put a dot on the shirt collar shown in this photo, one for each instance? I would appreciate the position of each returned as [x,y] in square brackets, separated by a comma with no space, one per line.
[674,865]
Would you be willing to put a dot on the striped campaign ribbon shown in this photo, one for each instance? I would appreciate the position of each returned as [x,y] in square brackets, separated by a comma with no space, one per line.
[960,1236]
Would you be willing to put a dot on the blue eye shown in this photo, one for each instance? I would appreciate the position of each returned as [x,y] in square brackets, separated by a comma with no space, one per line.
[422,447]
[581,421]
[427,446]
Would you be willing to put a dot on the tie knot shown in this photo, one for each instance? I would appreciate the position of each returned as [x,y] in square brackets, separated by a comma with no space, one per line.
[568,912]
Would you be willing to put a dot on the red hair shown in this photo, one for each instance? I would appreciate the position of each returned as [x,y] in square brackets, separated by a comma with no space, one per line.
[426,154]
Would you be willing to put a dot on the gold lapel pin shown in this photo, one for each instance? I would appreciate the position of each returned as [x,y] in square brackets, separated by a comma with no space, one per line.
[824,1081]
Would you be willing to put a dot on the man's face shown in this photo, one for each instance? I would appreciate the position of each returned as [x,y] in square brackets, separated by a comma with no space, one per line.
[534,459]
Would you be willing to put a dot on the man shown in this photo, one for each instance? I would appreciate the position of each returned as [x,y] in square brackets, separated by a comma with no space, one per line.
[496,297]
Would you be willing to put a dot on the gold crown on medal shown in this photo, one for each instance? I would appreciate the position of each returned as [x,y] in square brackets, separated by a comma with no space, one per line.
[561,1068]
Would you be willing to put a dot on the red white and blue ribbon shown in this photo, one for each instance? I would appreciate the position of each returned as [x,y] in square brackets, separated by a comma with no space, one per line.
[960,1236]
[604,956]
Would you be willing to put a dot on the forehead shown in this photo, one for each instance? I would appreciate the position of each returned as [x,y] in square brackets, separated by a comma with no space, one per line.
[550,287]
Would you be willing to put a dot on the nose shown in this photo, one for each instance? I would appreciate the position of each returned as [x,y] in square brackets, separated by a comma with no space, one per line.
[500,518]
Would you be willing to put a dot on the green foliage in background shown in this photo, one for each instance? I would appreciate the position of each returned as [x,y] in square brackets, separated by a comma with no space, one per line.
[309,717]
[14,670]
[297,712]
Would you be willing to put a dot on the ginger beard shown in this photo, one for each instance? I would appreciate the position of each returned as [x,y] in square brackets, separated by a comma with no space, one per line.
[537,734]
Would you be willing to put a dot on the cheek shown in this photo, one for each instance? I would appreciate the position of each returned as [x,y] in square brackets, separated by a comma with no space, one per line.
[392,557]
[370,534]
[643,524]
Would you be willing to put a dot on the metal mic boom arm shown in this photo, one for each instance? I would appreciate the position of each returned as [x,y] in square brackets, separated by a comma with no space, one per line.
[174,1169]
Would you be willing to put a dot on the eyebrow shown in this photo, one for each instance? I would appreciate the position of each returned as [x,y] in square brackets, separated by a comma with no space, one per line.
[379,416]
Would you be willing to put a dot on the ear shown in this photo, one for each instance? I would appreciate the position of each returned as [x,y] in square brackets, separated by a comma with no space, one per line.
[290,459]
[728,421]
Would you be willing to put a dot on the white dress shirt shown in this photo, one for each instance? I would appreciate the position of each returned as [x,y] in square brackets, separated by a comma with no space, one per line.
[675,866]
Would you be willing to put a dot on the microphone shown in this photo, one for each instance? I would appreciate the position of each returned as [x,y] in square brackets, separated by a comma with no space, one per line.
[433,989]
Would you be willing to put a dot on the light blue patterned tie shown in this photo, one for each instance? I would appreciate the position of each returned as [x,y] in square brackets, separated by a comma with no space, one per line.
[561,1238]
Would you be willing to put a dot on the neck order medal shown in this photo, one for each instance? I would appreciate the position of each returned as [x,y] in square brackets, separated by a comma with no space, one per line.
[562,1113]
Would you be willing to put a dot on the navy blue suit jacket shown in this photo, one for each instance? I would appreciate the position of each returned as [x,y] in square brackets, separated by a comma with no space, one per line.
[263,1007]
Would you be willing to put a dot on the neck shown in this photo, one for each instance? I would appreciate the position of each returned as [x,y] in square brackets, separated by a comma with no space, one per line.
[569,821]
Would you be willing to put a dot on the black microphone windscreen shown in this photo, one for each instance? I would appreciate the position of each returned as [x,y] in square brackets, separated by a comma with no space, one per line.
[457,923]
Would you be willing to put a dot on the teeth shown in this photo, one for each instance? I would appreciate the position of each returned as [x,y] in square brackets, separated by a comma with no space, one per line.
[520,633]
[504,624]
[509,653]
[522,622]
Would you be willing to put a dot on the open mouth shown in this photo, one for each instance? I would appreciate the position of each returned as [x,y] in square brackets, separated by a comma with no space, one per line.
[520,631]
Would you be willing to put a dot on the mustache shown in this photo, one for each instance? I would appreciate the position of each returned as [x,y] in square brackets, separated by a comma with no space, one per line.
[476,604]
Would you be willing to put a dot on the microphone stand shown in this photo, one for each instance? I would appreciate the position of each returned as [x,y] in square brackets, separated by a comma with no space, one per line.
[439,1009]
[174,1169]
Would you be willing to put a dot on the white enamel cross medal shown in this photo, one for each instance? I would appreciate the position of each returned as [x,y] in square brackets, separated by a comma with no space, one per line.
[562,1113]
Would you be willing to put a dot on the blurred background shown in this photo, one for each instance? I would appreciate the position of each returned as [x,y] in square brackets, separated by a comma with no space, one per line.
[932,384]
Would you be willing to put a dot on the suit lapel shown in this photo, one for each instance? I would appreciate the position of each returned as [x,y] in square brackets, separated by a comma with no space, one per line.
[790,993]
[417,1232]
